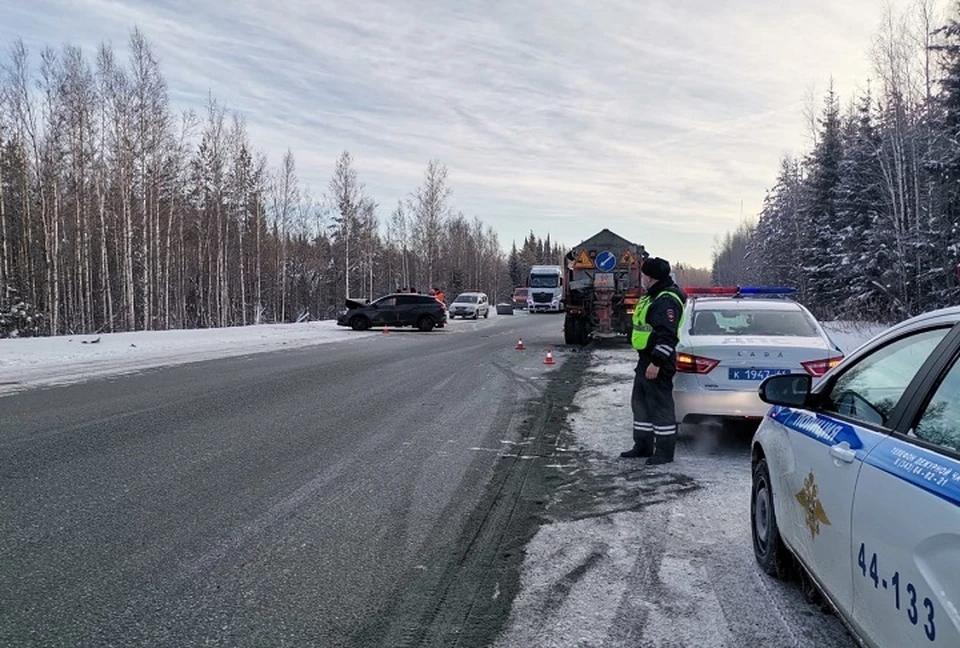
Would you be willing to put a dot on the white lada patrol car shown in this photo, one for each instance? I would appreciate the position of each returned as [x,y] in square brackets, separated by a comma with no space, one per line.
[858,479]
[733,338]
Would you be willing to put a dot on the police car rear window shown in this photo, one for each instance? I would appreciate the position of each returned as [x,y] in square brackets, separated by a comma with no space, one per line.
[792,323]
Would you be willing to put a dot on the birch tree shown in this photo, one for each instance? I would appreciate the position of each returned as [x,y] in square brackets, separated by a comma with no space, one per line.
[430,207]
[286,193]
[346,199]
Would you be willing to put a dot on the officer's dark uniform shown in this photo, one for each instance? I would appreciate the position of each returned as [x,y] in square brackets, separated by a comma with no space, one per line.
[656,322]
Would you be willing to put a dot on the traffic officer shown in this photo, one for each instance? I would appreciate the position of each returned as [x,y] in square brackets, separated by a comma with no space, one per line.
[656,323]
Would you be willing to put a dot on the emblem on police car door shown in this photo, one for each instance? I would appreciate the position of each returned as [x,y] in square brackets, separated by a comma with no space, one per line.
[809,498]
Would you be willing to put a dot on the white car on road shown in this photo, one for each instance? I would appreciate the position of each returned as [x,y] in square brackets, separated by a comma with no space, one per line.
[733,338]
[857,479]
[470,304]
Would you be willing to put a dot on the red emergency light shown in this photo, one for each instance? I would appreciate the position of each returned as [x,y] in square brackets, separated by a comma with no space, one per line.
[712,290]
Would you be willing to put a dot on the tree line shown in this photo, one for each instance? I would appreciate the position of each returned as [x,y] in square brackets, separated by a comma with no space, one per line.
[118,213]
[866,224]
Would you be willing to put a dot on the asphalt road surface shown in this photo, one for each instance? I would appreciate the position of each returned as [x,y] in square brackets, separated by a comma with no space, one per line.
[400,490]
[355,494]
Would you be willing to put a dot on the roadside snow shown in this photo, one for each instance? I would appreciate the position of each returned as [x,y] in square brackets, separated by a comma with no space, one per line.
[850,335]
[31,362]
[676,570]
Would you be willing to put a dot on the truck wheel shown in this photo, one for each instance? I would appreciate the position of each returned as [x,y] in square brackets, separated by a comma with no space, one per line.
[572,330]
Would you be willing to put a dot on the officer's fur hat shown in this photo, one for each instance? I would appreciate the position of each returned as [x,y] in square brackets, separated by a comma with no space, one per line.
[656,268]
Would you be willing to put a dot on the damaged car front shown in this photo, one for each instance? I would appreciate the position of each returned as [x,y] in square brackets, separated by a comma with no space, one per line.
[349,315]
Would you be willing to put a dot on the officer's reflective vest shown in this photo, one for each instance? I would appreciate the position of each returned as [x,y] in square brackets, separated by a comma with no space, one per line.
[642,330]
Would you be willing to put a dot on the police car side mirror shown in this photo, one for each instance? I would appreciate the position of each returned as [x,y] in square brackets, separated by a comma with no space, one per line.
[788,390]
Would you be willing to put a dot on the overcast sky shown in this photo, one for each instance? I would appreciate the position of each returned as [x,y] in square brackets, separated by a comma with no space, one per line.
[655,118]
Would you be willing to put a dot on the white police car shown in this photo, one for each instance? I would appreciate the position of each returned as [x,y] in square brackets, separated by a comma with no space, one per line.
[733,338]
[858,479]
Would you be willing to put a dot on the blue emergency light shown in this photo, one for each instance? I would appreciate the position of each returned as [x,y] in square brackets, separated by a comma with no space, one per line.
[766,290]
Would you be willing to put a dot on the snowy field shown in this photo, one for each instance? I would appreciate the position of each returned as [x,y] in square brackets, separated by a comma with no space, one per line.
[31,362]
[850,335]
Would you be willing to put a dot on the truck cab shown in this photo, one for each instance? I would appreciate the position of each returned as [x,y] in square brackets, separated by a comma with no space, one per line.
[545,289]
[520,297]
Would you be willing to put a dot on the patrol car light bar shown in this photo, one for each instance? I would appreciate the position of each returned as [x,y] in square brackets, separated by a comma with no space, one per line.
[767,290]
[711,291]
[740,290]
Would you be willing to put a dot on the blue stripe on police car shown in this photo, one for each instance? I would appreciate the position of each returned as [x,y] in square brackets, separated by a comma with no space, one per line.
[818,427]
[933,473]
[930,471]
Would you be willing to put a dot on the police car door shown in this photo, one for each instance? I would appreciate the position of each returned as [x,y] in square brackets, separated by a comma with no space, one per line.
[828,446]
[906,520]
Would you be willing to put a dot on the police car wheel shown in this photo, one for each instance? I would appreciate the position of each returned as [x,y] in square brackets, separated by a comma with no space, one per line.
[768,547]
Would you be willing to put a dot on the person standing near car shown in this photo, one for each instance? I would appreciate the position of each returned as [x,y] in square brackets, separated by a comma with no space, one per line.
[656,326]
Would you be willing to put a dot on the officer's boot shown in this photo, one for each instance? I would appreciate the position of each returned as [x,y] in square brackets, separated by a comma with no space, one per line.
[664,446]
[642,447]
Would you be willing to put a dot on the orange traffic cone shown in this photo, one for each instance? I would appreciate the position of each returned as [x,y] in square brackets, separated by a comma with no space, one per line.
[520,346]
[549,358]
[386,330]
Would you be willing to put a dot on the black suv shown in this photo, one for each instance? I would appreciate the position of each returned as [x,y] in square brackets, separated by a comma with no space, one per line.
[401,309]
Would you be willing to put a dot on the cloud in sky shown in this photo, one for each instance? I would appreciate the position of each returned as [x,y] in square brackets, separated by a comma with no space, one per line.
[654,118]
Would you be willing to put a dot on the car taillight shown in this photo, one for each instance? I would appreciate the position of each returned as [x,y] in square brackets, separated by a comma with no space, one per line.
[689,363]
[817,368]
